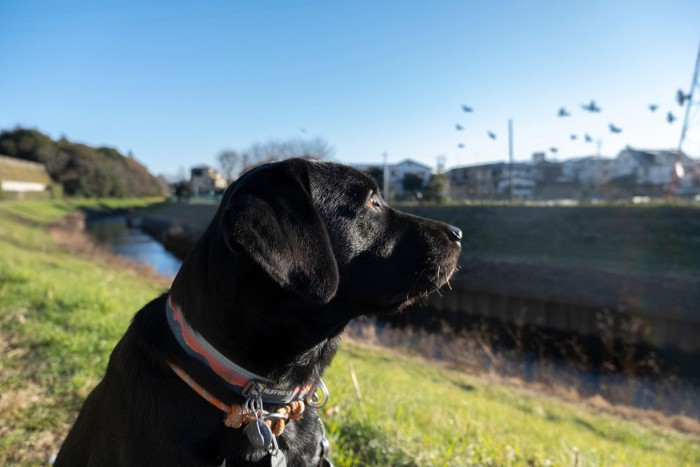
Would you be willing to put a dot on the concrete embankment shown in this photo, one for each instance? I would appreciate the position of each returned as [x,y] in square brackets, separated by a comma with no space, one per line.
[653,310]
[661,310]
[177,225]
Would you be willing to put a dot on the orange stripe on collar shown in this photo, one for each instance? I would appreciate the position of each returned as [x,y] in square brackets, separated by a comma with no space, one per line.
[237,378]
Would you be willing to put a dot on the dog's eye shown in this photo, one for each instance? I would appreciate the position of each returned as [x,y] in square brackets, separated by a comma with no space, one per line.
[374,202]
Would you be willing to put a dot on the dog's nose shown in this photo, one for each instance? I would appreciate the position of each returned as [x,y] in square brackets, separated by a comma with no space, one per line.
[454,233]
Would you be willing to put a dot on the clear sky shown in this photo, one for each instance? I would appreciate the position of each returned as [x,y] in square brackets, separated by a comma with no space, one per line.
[175,82]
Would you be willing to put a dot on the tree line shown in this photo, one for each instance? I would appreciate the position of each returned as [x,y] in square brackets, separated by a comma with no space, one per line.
[82,170]
[234,162]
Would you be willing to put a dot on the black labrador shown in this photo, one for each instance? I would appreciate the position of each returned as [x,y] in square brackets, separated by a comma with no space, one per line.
[225,370]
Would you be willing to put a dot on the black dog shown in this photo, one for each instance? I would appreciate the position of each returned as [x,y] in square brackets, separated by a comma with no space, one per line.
[217,373]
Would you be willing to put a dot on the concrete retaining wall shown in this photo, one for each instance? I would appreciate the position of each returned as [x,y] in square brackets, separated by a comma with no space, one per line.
[636,310]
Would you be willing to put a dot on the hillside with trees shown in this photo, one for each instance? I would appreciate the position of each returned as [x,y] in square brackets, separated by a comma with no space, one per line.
[81,170]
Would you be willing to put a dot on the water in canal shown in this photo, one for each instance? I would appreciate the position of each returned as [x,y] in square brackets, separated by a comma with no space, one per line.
[132,243]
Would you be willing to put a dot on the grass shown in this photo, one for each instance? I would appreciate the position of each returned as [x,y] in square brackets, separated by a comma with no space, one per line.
[62,313]
[413,412]
[649,239]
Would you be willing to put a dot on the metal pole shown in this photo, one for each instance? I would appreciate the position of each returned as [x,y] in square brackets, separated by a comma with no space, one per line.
[510,159]
[677,171]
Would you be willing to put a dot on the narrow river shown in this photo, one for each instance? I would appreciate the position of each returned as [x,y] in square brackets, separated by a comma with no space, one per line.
[132,243]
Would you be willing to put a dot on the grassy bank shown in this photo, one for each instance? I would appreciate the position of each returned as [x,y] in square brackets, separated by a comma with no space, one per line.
[653,239]
[61,314]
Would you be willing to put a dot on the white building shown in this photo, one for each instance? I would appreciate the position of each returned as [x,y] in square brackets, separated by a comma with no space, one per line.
[523,188]
[654,168]
[19,176]
[398,174]
[205,180]
[588,171]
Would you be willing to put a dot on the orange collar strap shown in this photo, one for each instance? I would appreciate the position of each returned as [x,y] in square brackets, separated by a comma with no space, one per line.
[235,377]
[237,415]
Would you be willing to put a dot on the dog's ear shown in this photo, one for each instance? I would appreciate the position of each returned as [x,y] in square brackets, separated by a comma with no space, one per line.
[270,215]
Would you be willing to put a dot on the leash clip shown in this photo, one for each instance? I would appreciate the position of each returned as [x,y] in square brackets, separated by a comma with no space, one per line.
[254,389]
[313,400]
[253,403]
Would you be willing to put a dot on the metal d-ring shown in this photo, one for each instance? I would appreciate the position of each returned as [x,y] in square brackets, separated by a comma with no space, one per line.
[312,399]
[274,416]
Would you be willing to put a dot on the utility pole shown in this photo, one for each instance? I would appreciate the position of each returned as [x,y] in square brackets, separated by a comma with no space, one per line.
[441,163]
[510,159]
[678,172]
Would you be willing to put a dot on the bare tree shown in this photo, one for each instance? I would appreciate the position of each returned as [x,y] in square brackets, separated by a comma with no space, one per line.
[317,148]
[232,163]
[275,150]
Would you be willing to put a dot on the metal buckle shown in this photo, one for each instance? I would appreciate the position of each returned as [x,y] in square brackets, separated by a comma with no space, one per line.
[312,398]
[253,389]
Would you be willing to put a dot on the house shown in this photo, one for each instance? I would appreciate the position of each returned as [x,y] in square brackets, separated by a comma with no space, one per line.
[492,181]
[475,181]
[406,178]
[652,172]
[205,180]
[23,179]
[590,171]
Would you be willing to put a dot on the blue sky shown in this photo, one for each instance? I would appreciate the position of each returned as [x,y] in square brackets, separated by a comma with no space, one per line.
[175,82]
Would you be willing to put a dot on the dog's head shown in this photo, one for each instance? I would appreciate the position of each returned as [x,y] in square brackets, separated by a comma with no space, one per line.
[321,231]
[300,248]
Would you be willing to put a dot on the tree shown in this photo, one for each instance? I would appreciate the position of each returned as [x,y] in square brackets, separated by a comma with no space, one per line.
[412,183]
[437,190]
[231,164]
[82,170]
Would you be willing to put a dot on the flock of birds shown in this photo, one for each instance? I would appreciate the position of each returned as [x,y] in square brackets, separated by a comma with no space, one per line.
[591,107]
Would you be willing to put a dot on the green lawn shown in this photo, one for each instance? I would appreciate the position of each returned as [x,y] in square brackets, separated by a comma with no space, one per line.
[61,314]
[654,239]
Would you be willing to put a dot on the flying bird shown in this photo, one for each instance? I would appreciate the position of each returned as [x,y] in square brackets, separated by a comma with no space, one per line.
[573,137]
[563,113]
[614,129]
[591,107]
[466,108]
[653,107]
[670,118]
[588,138]
[460,146]
[491,134]
[459,127]
[681,98]
[554,150]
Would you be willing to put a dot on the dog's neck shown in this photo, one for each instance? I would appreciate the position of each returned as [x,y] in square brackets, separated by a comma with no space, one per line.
[276,335]
[282,383]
